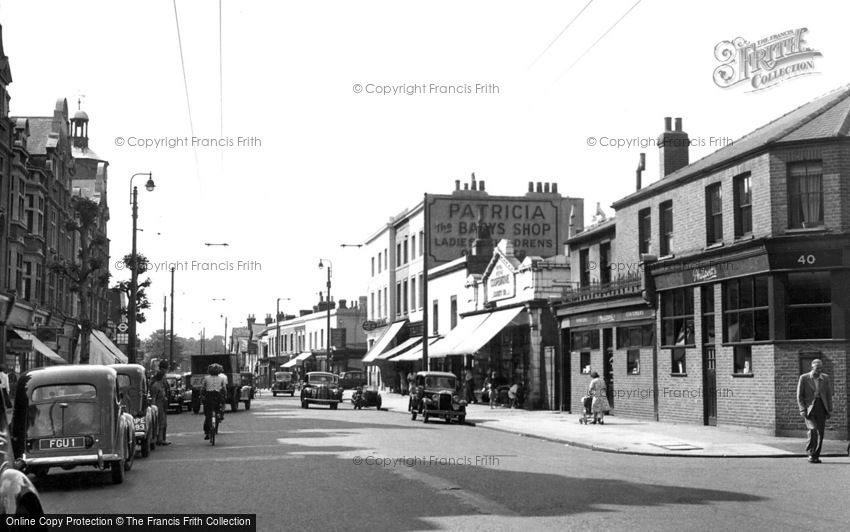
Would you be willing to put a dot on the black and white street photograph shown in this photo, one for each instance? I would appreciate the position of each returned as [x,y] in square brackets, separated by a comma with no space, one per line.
[420,266]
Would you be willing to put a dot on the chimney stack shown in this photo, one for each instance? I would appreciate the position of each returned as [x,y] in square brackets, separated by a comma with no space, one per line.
[457,184]
[531,186]
[640,168]
[673,148]
[472,185]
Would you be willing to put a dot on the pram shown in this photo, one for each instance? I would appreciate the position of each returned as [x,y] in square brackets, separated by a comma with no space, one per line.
[586,415]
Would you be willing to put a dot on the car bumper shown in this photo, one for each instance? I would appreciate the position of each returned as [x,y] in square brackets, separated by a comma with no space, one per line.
[322,401]
[79,460]
[443,413]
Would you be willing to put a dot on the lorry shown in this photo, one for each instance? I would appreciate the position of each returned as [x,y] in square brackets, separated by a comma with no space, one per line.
[237,391]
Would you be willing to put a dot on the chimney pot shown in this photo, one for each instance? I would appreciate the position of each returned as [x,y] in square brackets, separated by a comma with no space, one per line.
[481,185]
[457,184]
[667,121]
[531,186]
[678,124]
[466,186]
[472,182]
[539,186]
[546,188]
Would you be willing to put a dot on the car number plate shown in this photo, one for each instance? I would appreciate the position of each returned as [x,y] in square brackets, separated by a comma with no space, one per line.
[61,443]
[139,424]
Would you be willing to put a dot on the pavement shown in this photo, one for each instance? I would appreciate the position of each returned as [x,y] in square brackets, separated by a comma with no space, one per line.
[632,436]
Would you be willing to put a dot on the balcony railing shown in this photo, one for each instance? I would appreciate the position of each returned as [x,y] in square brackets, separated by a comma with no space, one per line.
[624,286]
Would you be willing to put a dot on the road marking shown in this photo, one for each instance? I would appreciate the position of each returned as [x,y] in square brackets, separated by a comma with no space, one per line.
[481,503]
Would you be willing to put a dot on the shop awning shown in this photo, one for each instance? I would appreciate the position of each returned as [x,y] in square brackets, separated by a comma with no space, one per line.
[496,321]
[457,335]
[400,348]
[383,342]
[416,353]
[103,351]
[39,346]
[299,359]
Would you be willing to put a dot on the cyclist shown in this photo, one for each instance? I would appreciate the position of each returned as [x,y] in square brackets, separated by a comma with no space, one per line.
[214,392]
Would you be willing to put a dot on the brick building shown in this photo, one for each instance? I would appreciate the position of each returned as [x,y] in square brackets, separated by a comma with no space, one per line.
[745,257]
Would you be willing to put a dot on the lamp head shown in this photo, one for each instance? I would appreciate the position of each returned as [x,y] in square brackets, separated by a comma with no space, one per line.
[321,265]
[149,186]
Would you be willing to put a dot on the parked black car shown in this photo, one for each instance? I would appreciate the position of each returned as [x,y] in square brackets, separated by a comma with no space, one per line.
[435,395]
[352,379]
[322,388]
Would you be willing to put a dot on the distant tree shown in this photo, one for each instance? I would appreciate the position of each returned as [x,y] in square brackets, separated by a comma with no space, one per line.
[155,348]
[88,273]
[142,303]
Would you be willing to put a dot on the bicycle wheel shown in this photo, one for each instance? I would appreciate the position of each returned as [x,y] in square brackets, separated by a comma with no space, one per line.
[213,428]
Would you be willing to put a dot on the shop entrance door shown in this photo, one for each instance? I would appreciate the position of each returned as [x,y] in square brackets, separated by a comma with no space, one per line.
[709,386]
[565,391]
[608,364]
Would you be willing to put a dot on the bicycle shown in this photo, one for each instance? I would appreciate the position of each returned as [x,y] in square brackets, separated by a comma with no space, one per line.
[213,427]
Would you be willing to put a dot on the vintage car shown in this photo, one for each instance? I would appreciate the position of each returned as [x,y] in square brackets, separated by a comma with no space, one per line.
[175,392]
[366,396]
[283,384]
[186,389]
[69,416]
[18,496]
[246,389]
[322,388]
[435,395]
[352,379]
[135,397]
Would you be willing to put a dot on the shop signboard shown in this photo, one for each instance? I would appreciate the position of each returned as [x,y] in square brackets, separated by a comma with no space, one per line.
[501,283]
[535,226]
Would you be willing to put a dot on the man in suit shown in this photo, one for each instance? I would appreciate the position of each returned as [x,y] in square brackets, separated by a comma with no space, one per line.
[814,397]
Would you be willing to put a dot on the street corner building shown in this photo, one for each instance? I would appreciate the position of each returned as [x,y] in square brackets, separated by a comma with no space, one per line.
[713,288]
[45,161]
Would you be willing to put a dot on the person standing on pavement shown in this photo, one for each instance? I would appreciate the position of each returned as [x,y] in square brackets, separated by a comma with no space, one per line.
[469,384]
[599,393]
[814,397]
[159,396]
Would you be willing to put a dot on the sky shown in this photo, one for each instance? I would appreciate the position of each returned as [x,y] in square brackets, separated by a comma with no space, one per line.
[328,159]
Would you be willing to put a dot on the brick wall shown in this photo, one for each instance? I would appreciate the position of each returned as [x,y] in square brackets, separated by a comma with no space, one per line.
[787,361]
[633,393]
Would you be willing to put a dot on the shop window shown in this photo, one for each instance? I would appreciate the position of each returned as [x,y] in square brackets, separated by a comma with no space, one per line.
[677,361]
[743,360]
[809,302]
[666,228]
[645,231]
[584,340]
[746,314]
[677,317]
[633,362]
[707,297]
[743,206]
[805,194]
[412,294]
[404,295]
[713,214]
[584,362]
[636,336]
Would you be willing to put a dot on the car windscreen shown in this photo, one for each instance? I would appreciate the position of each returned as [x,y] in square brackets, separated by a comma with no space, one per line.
[440,382]
[321,379]
[283,377]
[63,410]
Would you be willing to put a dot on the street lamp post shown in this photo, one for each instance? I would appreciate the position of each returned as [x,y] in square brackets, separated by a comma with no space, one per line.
[328,306]
[134,272]
[171,344]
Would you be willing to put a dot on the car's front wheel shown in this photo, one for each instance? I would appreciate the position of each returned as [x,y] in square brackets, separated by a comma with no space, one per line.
[304,404]
[274,394]
[334,405]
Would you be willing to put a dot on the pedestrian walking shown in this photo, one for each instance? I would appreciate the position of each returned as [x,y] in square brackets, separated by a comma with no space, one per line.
[159,397]
[599,393]
[404,384]
[469,386]
[491,388]
[814,397]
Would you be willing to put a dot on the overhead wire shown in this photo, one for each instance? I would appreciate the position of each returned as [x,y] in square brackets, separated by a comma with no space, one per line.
[599,39]
[560,34]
